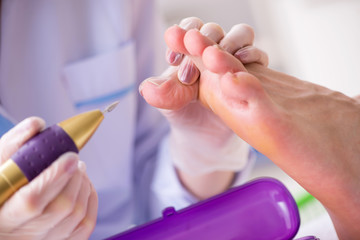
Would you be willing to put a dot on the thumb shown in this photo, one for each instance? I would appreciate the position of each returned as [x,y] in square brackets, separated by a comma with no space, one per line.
[167,92]
[11,141]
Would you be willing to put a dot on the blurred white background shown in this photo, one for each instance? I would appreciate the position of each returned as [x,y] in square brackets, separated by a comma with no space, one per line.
[314,40]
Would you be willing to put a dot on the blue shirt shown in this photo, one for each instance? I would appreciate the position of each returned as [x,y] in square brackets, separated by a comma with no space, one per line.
[5,125]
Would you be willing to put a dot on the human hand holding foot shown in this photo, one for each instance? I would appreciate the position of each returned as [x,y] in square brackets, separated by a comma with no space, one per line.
[309,131]
[205,151]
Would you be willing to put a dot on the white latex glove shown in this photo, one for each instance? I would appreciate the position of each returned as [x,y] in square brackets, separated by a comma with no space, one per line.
[60,203]
[207,146]
[200,142]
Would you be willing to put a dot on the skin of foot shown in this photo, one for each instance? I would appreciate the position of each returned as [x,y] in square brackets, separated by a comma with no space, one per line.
[199,138]
[311,132]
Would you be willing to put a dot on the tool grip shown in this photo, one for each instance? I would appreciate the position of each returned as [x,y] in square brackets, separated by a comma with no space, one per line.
[43,149]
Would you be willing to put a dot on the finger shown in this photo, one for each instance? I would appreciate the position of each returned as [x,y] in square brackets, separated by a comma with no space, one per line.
[175,58]
[31,200]
[174,38]
[239,36]
[87,225]
[188,72]
[55,211]
[62,205]
[251,54]
[213,31]
[191,23]
[64,228]
[166,91]
[18,135]
[196,43]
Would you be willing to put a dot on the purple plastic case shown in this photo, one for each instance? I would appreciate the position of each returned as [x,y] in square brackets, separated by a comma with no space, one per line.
[260,209]
[41,150]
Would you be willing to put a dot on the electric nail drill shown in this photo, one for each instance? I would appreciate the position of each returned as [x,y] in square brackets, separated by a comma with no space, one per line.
[40,151]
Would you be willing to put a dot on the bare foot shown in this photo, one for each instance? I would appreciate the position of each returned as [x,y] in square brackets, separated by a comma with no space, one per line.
[309,131]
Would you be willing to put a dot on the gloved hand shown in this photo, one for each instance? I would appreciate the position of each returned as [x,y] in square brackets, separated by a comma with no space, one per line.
[60,203]
[200,142]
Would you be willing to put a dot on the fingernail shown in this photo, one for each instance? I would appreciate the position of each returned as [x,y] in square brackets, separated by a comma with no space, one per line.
[82,166]
[190,22]
[212,31]
[173,58]
[31,123]
[241,54]
[218,47]
[156,81]
[187,72]
[185,23]
[72,159]
[227,48]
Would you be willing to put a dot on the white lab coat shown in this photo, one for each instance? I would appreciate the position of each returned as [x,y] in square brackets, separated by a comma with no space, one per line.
[62,57]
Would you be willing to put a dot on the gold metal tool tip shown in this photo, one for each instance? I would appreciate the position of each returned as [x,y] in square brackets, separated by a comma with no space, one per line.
[111,107]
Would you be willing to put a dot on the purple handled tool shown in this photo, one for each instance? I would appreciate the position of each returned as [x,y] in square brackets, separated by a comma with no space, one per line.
[260,209]
[44,148]
[40,151]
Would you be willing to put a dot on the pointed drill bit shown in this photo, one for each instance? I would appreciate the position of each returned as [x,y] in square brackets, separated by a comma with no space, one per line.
[111,107]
